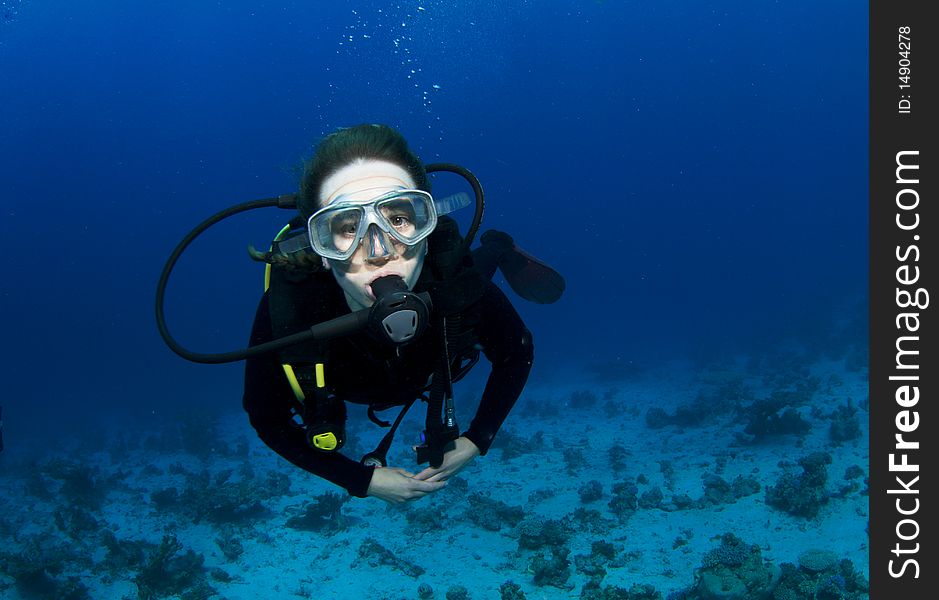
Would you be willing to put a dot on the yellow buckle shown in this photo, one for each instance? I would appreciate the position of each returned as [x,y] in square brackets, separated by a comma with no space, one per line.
[325,441]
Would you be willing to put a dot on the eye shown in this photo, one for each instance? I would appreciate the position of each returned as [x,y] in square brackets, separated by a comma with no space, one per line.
[400,221]
[400,214]
[345,226]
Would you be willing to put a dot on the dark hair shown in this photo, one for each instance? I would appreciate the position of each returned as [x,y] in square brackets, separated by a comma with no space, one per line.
[346,146]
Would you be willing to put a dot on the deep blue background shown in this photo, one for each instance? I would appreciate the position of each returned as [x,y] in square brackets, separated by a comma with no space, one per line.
[697,170]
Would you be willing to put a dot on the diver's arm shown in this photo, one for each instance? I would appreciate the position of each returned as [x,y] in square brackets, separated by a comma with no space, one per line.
[507,344]
[267,400]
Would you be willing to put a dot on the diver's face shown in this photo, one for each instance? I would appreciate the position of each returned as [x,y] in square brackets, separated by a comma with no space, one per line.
[365,181]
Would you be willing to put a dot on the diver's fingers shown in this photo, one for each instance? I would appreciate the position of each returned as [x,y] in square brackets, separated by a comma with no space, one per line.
[428,487]
[426,473]
[438,476]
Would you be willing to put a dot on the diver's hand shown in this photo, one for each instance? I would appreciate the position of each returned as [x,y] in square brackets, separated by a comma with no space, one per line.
[397,486]
[454,460]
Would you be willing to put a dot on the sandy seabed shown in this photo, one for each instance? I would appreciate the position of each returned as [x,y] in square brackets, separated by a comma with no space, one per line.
[91,518]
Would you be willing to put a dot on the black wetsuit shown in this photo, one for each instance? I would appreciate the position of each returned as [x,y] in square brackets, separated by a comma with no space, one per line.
[361,370]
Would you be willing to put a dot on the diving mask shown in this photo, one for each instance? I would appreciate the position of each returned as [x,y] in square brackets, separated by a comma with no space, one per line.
[405,216]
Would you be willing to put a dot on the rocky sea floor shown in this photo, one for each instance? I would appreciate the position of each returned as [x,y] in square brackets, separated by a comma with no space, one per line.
[682,482]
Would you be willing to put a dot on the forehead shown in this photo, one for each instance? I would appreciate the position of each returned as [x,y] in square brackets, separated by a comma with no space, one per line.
[367,177]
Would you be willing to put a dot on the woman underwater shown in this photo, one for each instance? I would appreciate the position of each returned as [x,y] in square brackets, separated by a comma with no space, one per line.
[366,205]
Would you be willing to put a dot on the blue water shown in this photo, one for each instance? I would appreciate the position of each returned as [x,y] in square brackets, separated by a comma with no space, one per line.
[696,170]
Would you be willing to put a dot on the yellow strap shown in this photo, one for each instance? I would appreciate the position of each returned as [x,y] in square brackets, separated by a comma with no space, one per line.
[267,267]
[294,384]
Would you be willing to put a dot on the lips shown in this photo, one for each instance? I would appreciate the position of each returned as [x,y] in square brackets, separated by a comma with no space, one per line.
[368,286]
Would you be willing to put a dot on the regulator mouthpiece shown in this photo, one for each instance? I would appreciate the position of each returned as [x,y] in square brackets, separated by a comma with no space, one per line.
[398,315]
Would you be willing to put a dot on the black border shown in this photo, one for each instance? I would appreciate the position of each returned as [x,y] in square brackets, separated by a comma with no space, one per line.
[891,132]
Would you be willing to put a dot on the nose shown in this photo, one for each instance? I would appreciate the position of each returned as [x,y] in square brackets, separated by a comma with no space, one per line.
[378,246]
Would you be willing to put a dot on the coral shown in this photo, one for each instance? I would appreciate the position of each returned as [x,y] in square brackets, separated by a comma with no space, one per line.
[744,486]
[618,455]
[220,575]
[76,522]
[458,592]
[816,561]
[323,515]
[376,555]
[536,533]
[651,498]
[592,565]
[686,415]
[165,499]
[493,515]
[603,549]
[593,591]
[276,484]
[36,571]
[732,552]
[668,472]
[165,573]
[554,571]
[802,495]
[625,500]
[539,408]
[425,591]
[709,403]
[845,425]
[716,491]
[426,519]
[540,495]
[853,472]
[822,578]
[81,485]
[575,460]
[590,491]
[692,414]
[776,415]
[229,544]
[122,554]
[513,445]
[215,499]
[511,591]
[735,571]
[591,520]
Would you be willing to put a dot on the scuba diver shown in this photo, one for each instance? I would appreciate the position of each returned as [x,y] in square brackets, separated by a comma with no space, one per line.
[402,309]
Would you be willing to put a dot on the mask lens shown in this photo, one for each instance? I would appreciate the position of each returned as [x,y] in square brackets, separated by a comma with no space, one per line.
[408,216]
[333,233]
[343,227]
